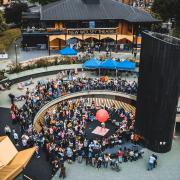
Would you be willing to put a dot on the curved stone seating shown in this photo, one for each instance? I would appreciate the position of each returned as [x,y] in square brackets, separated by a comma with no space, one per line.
[99,96]
[38,72]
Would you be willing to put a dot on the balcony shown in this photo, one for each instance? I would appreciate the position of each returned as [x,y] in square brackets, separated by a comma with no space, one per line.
[43,31]
[75,31]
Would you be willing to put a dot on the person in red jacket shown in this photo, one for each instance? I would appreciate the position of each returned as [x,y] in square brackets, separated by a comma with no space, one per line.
[120,155]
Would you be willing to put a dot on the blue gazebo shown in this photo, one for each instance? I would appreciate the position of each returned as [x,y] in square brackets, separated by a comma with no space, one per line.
[109,64]
[67,51]
[92,64]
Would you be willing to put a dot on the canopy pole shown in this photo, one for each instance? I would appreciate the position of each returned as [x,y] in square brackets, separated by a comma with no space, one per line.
[116,73]
[99,72]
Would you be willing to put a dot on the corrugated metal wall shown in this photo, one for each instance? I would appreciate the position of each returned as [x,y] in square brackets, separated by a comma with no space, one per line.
[159,82]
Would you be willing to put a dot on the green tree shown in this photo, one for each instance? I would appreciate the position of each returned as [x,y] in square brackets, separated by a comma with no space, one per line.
[2,22]
[168,9]
[13,14]
[1,18]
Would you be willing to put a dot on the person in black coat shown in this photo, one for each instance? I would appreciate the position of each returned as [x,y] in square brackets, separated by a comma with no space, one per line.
[62,171]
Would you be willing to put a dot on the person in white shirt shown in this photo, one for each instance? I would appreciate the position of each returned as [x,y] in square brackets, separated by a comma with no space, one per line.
[7,130]
[151,162]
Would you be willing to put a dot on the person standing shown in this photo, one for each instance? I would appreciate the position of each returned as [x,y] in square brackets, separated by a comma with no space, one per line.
[135,53]
[55,167]
[106,160]
[7,130]
[37,152]
[151,162]
[120,155]
[80,156]
[62,171]
[99,162]
[15,137]
[69,153]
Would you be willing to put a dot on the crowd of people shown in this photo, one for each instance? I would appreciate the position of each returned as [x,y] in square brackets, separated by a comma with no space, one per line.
[63,136]
[66,138]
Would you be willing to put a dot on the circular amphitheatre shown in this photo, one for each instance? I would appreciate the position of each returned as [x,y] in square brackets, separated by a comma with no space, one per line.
[80,120]
[114,102]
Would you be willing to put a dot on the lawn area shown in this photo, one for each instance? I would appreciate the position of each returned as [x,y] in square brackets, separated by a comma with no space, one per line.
[7,37]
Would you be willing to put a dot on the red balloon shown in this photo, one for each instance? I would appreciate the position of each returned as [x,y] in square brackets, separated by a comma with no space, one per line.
[102,115]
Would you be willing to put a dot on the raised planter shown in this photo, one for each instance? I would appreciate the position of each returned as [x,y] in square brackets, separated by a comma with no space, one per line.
[38,72]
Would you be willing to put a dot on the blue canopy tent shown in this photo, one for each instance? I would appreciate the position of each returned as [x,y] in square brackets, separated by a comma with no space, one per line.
[126,65]
[67,51]
[109,64]
[92,64]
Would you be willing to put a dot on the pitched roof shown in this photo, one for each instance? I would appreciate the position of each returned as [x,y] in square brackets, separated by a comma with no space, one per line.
[105,9]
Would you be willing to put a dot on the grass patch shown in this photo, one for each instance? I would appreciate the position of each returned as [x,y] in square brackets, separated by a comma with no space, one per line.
[7,37]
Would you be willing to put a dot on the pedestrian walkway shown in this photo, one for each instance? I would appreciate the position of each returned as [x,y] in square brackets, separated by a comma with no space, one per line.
[23,56]
[32,54]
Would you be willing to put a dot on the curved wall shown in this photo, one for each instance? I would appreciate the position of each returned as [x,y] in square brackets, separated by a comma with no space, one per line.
[158,90]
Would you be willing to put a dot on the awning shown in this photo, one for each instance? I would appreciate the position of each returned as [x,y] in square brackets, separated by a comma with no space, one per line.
[128,37]
[92,64]
[77,36]
[53,37]
[87,36]
[105,36]
[67,51]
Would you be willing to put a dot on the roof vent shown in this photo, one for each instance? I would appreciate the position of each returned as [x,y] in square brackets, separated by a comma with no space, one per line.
[91,1]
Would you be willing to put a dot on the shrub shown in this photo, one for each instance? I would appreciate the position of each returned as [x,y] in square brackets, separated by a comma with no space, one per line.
[46,62]
[2,75]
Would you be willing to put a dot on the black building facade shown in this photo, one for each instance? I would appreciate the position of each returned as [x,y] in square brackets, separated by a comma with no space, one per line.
[158,91]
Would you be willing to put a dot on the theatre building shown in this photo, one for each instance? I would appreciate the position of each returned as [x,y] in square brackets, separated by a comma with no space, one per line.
[108,22]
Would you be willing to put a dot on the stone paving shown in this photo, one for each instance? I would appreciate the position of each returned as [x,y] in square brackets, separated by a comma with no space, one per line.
[168,168]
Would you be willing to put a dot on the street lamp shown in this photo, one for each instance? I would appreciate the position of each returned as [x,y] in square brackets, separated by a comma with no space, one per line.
[16,54]
[49,50]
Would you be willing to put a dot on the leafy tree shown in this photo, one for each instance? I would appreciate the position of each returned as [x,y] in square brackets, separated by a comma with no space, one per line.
[13,14]
[168,9]
[42,2]
[1,18]
[2,22]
